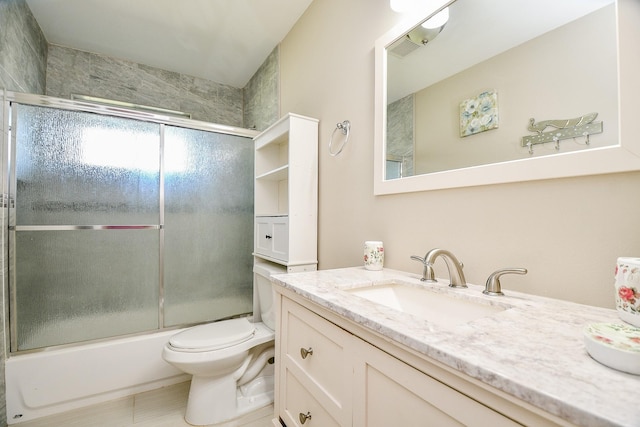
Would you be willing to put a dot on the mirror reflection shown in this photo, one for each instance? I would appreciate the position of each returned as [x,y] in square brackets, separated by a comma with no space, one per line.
[501,80]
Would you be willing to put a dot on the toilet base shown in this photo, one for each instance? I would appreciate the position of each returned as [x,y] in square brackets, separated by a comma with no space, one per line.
[213,402]
[256,394]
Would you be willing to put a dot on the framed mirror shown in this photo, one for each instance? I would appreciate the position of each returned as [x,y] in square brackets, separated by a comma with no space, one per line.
[505,91]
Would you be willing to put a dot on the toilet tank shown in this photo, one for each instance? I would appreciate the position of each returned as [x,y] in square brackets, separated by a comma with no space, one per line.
[263,292]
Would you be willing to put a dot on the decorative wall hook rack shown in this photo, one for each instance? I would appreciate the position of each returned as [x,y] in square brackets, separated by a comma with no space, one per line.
[582,126]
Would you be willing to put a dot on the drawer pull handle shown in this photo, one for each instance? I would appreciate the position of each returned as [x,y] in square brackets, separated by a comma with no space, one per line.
[304,417]
[306,352]
[267,237]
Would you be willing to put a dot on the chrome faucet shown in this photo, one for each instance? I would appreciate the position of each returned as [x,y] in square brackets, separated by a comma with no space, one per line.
[456,276]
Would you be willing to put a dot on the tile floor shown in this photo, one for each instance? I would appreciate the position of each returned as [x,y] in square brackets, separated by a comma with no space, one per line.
[164,407]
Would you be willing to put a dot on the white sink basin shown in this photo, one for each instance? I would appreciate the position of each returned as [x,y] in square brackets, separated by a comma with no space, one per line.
[436,307]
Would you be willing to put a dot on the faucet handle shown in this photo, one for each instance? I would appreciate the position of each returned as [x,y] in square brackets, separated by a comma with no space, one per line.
[424,263]
[493,287]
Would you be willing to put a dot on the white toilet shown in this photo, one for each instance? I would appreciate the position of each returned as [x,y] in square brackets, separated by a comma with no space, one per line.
[231,361]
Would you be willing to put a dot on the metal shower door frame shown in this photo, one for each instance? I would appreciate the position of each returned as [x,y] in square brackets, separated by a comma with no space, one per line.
[9,185]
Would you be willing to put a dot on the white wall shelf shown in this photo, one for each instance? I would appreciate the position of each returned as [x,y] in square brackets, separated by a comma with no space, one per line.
[286,193]
[277,174]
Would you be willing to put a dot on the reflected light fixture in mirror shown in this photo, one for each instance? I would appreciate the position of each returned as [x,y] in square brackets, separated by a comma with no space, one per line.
[401,6]
[430,29]
[437,21]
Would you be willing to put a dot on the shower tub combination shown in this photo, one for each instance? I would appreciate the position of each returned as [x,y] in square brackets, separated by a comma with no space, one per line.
[122,228]
[46,383]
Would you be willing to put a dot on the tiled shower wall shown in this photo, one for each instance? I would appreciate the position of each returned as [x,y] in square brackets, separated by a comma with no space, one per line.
[71,71]
[261,94]
[23,49]
[28,64]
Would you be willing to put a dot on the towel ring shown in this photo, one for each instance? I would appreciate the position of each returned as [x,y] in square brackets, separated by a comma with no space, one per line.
[344,127]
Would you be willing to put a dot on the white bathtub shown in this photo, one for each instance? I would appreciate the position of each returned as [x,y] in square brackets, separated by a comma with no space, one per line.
[49,382]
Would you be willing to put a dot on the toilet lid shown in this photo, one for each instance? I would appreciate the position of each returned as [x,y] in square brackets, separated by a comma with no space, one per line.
[214,336]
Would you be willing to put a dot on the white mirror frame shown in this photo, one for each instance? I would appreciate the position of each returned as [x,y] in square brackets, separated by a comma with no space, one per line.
[623,157]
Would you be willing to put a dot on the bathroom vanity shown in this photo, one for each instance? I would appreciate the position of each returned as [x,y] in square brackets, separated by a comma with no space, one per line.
[349,357]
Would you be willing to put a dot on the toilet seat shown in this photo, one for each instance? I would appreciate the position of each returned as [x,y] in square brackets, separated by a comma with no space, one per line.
[213,336]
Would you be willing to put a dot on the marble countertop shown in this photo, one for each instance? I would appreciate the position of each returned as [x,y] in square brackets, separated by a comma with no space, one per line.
[533,350]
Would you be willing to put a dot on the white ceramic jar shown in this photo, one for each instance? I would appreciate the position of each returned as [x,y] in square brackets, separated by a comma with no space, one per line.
[373,255]
[627,285]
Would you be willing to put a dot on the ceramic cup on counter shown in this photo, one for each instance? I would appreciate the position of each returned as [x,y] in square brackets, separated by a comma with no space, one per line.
[373,255]
[627,286]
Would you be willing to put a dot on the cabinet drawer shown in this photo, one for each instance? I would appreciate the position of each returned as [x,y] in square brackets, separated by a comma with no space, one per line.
[326,369]
[299,401]
[272,237]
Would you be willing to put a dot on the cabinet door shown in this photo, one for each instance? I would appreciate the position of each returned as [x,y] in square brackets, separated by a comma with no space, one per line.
[272,237]
[389,392]
[264,236]
[280,248]
[316,369]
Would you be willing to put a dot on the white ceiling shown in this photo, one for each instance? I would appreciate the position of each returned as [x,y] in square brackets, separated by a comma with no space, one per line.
[225,41]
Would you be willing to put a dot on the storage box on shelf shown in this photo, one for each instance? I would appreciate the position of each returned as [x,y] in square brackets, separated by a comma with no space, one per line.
[286,193]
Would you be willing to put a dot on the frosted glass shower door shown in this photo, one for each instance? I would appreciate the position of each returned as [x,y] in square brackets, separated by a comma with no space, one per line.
[208,217]
[86,233]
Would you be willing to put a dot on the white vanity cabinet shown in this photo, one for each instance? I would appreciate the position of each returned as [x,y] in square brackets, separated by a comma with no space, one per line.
[286,193]
[333,372]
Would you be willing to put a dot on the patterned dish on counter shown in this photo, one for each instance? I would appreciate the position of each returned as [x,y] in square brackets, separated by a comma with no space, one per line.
[614,345]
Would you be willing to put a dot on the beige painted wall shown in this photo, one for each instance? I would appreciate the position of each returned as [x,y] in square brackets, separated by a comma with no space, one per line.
[567,232]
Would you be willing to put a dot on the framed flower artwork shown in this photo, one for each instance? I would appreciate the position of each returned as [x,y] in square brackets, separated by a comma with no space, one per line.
[479,114]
